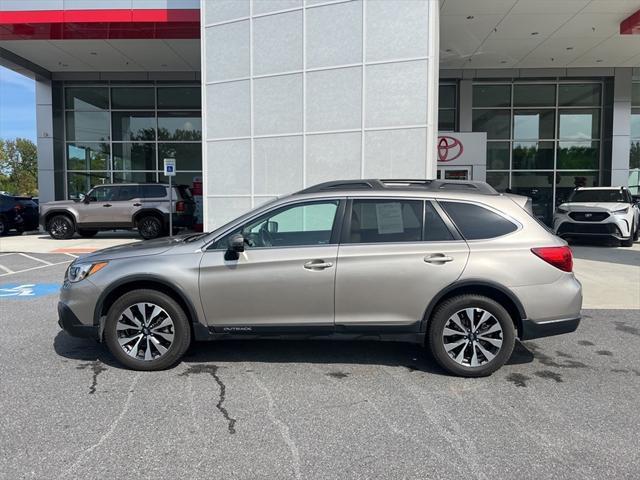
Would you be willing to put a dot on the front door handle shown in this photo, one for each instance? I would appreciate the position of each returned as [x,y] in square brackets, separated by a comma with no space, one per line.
[438,258]
[137,204]
[106,205]
[317,265]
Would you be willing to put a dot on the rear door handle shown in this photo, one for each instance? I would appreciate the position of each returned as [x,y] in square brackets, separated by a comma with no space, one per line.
[438,258]
[317,265]
[106,205]
[137,204]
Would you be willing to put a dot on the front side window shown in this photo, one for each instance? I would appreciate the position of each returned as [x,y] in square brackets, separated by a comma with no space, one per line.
[476,222]
[305,224]
[103,194]
[381,221]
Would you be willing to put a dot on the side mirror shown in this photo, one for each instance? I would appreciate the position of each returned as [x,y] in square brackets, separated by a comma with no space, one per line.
[236,246]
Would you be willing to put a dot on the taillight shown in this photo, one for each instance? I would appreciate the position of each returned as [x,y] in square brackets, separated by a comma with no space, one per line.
[559,257]
[180,206]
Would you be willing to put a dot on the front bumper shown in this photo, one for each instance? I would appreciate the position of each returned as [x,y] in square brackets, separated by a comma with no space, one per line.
[72,325]
[531,329]
[571,229]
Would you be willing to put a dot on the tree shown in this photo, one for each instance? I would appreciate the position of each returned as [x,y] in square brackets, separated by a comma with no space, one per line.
[19,166]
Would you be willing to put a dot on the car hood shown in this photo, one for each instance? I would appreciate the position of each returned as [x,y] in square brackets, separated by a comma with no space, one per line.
[594,206]
[138,249]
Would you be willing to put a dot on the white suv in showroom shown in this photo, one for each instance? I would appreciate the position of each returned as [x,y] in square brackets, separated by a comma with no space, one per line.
[608,212]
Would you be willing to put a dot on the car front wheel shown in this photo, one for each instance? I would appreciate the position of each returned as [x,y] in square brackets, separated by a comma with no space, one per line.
[471,335]
[147,330]
[61,227]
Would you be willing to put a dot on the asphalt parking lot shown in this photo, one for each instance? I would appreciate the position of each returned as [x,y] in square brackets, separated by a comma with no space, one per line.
[564,407]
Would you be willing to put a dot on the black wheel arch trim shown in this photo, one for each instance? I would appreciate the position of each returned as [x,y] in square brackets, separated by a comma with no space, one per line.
[470,283]
[164,217]
[200,330]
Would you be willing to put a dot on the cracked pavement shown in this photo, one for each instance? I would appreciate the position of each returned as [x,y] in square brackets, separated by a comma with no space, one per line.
[564,407]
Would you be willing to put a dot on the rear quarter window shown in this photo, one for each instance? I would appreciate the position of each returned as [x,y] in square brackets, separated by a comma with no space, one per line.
[476,222]
[153,191]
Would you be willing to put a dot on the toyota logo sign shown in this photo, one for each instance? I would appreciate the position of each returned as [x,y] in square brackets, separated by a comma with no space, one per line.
[449,149]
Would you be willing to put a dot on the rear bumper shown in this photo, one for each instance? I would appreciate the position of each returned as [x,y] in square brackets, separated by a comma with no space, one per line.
[70,323]
[531,329]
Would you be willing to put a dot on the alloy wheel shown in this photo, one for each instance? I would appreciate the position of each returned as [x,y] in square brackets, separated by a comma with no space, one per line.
[472,337]
[149,228]
[59,228]
[145,331]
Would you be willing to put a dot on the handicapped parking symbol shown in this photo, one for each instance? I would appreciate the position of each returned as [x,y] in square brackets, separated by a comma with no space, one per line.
[28,290]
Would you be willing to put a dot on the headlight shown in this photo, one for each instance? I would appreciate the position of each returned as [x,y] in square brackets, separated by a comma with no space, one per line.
[623,211]
[81,271]
[561,210]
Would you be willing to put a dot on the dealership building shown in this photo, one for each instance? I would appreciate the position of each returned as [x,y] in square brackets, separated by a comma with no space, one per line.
[257,98]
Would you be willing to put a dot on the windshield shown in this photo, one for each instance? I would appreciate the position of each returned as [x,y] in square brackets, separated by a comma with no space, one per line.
[598,196]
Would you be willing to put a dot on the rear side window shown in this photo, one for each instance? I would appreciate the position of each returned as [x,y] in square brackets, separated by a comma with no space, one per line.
[128,192]
[153,191]
[435,230]
[379,221]
[476,222]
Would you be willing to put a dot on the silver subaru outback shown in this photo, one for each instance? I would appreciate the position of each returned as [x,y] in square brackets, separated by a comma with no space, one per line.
[451,264]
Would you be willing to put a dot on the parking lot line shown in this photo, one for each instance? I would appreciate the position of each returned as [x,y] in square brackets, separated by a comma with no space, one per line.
[36,259]
[2,267]
[10,272]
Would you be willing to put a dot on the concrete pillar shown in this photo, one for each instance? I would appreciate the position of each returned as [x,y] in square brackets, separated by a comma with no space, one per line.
[44,125]
[621,132]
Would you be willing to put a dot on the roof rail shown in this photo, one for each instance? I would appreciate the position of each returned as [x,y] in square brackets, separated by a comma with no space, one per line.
[402,184]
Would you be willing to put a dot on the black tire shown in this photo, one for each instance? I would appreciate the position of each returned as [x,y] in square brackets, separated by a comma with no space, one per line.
[636,233]
[436,342]
[4,227]
[180,329]
[87,233]
[61,227]
[149,227]
[628,242]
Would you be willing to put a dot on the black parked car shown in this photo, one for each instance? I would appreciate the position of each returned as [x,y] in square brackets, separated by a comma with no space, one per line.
[19,213]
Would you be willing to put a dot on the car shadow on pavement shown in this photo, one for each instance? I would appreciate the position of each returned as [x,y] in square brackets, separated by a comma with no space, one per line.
[83,349]
[361,352]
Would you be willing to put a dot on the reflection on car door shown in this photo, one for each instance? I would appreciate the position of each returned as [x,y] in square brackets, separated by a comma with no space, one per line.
[284,278]
[396,255]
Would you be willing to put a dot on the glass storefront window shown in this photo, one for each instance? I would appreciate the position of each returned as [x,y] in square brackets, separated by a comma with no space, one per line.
[498,180]
[88,126]
[579,124]
[497,123]
[533,124]
[533,155]
[179,126]
[188,155]
[539,187]
[446,120]
[86,98]
[179,97]
[635,123]
[133,97]
[87,156]
[634,154]
[498,155]
[492,95]
[134,126]
[134,156]
[566,182]
[534,95]
[578,155]
[78,182]
[447,96]
[182,178]
[135,177]
[579,95]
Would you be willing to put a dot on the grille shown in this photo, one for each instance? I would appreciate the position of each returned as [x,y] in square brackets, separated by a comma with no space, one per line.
[604,228]
[589,216]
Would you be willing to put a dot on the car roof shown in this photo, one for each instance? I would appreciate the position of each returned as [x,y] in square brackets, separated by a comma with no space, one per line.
[601,188]
[396,186]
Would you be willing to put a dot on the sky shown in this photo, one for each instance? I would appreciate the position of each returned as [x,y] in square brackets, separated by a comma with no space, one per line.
[17,105]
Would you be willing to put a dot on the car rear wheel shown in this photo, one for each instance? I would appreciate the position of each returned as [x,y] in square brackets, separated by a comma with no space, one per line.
[149,227]
[471,335]
[61,227]
[87,233]
[147,330]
